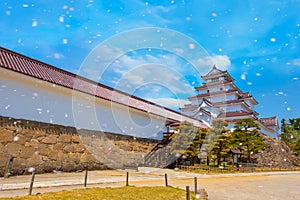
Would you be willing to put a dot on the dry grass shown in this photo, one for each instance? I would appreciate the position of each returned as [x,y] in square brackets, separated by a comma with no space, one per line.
[123,193]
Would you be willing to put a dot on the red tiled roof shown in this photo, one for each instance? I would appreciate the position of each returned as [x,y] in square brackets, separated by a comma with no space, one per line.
[207,85]
[22,64]
[235,114]
[213,93]
[270,121]
[205,111]
[247,95]
[191,107]
[229,102]
[208,102]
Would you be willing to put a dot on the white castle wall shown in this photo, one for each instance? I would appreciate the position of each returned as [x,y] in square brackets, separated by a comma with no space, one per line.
[29,98]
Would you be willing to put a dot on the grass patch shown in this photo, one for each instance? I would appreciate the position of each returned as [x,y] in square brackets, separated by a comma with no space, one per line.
[124,193]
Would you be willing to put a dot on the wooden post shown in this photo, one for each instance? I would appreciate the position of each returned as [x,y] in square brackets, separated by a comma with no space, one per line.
[166,179]
[31,182]
[196,186]
[187,192]
[127,178]
[8,166]
[85,178]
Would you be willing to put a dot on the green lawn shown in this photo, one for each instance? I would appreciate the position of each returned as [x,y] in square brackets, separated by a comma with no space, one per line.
[123,193]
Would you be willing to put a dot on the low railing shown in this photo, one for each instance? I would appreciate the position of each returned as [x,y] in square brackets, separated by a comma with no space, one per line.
[243,167]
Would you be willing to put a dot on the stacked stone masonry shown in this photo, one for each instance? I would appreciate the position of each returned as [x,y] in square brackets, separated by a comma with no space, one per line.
[48,147]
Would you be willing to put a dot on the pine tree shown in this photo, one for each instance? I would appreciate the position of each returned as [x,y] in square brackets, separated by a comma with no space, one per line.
[188,141]
[290,134]
[221,146]
[246,137]
[182,141]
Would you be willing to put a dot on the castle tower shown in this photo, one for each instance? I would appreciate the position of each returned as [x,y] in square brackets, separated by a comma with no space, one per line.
[219,98]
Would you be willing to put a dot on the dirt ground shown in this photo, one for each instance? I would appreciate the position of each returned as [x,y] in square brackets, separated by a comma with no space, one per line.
[271,186]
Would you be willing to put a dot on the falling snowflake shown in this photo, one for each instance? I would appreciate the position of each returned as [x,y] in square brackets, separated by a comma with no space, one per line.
[57,55]
[288,109]
[273,39]
[192,46]
[243,76]
[35,94]
[34,23]
[65,41]
[187,18]
[214,14]
[16,138]
[61,19]
[31,169]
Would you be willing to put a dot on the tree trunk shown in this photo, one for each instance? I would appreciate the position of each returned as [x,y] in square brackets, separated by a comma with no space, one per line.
[219,154]
[207,160]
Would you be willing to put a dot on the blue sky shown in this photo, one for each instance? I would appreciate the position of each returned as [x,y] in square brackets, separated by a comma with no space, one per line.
[256,41]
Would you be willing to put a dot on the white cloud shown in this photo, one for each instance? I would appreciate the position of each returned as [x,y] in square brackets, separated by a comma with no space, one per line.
[221,61]
[169,102]
[296,62]
[154,74]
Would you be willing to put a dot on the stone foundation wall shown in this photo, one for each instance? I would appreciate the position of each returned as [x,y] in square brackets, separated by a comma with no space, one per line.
[47,147]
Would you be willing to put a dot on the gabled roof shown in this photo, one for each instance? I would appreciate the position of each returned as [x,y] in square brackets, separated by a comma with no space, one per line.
[207,102]
[30,67]
[215,72]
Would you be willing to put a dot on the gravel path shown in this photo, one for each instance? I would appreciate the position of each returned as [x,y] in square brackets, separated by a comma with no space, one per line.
[272,186]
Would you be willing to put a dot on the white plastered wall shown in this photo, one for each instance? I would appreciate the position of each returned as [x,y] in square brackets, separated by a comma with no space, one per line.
[25,97]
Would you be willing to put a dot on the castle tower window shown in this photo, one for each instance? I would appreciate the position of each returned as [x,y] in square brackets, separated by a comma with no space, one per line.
[215,79]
